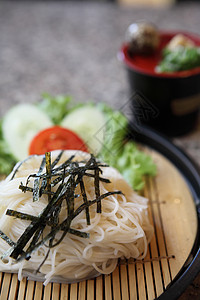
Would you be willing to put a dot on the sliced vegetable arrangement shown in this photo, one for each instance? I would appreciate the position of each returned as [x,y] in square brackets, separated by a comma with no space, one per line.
[58,123]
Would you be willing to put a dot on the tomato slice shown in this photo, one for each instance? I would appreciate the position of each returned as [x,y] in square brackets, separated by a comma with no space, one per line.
[56,138]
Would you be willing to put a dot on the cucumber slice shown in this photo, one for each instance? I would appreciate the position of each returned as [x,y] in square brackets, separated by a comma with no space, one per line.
[20,125]
[89,123]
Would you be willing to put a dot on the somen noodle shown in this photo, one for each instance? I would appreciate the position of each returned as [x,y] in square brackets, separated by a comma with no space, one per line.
[121,230]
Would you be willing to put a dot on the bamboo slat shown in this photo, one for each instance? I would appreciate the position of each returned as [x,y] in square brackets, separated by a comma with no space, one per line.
[82,290]
[74,291]
[116,284]
[64,291]
[22,289]
[90,289]
[108,287]
[47,292]
[38,290]
[124,282]
[5,286]
[132,281]
[14,287]
[99,288]
[173,216]
[30,289]
[56,291]
[149,278]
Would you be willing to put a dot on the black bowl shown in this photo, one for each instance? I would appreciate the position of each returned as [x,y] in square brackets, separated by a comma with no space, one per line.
[168,102]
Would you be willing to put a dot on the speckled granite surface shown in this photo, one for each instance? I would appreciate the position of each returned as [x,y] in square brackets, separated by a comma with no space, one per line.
[71,48]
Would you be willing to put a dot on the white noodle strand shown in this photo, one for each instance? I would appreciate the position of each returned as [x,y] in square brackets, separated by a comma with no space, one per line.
[122,230]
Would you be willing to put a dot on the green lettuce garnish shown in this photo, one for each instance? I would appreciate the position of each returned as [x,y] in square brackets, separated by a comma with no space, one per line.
[56,107]
[179,59]
[122,153]
[7,161]
[133,164]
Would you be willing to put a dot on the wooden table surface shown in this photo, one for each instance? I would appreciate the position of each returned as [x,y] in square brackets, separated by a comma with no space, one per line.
[66,47]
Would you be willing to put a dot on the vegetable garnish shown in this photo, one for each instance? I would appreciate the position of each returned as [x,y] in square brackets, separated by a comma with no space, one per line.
[102,130]
[56,138]
[59,182]
[7,161]
[179,59]
[121,152]
[179,54]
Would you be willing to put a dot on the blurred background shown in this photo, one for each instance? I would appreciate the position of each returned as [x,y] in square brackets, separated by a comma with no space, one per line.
[71,47]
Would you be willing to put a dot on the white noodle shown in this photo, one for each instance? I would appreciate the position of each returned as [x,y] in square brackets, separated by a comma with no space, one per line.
[121,230]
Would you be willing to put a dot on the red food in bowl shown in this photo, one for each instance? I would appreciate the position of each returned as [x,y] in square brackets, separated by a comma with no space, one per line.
[147,63]
[168,102]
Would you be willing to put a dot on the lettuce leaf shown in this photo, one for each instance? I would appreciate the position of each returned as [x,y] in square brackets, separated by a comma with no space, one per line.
[7,160]
[133,164]
[56,107]
[124,154]
[179,59]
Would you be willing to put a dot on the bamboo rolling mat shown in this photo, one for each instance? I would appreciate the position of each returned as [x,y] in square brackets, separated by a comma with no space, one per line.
[173,215]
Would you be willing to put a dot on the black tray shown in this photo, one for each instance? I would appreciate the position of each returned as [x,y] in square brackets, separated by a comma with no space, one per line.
[191,174]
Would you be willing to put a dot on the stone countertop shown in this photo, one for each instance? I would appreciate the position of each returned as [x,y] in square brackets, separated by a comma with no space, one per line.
[66,47]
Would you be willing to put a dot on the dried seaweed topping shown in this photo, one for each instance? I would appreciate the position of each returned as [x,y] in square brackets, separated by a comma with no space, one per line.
[59,183]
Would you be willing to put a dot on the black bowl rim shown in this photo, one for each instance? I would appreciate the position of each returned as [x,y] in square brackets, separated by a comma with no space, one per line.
[124,57]
[191,173]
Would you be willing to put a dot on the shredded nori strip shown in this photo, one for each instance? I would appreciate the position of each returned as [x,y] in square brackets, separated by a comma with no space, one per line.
[83,192]
[64,178]
[36,191]
[19,215]
[7,239]
[24,216]
[48,170]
